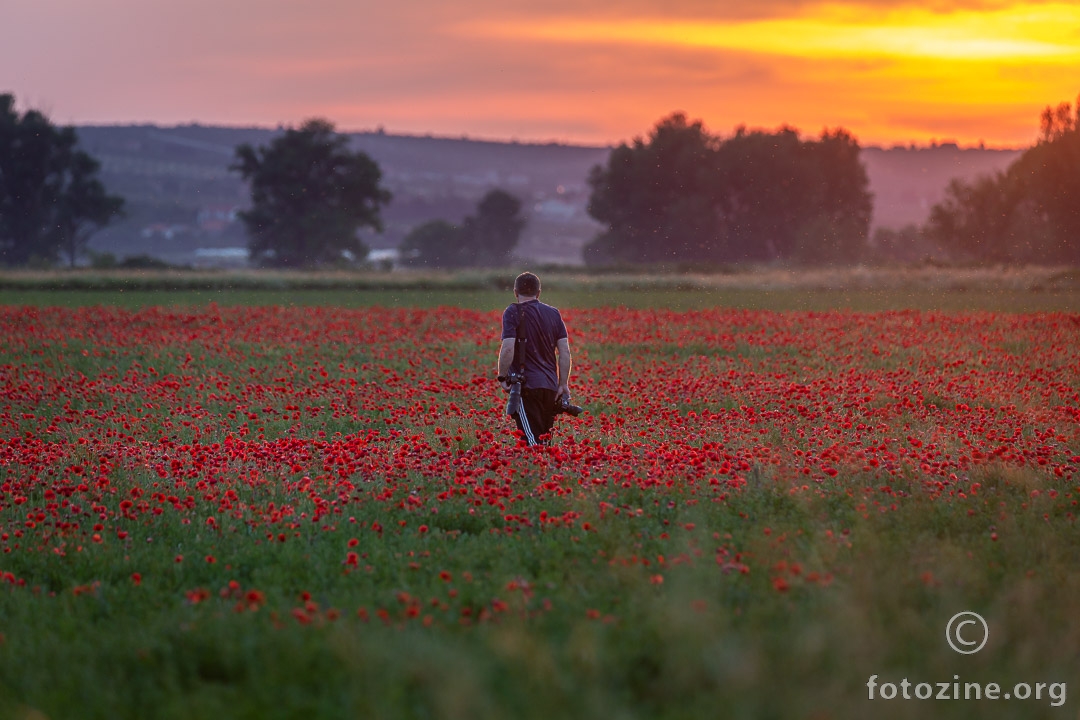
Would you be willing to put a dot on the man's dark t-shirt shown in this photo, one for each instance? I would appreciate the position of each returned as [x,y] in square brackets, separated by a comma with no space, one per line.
[543,328]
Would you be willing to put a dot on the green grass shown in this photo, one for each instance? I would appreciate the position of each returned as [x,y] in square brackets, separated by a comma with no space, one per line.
[644,614]
[923,288]
[701,641]
[566,297]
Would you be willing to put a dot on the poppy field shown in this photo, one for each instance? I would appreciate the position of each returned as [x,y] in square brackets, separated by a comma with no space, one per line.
[321,512]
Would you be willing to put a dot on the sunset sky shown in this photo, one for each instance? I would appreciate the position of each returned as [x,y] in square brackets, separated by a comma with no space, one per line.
[592,72]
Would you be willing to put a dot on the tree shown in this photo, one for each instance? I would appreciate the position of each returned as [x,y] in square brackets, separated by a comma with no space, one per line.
[656,197]
[1030,212]
[975,220]
[841,205]
[687,197]
[484,239]
[51,201]
[1049,174]
[310,197]
[494,231]
[433,244]
[82,209]
[769,189]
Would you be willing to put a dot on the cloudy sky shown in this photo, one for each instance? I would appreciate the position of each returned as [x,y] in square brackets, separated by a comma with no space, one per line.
[580,71]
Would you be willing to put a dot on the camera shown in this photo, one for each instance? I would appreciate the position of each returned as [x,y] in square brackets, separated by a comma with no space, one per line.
[563,405]
[513,404]
[515,380]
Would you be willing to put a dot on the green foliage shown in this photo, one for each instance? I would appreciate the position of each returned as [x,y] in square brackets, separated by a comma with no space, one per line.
[1027,213]
[310,197]
[976,219]
[656,198]
[102,260]
[143,262]
[493,232]
[687,196]
[927,287]
[1051,177]
[437,243]
[51,201]
[485,239]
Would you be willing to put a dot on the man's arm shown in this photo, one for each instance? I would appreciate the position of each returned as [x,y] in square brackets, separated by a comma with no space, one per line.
[506,357]
[562,348]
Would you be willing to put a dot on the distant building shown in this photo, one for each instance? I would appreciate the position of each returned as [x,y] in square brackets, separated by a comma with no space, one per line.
[556,209]
[384,257]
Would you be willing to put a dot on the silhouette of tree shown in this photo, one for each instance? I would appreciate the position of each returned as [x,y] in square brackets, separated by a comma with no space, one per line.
[1030,212]
[310,197]
[494,231]
[83,208]
[657,197]
[684,196]
[51,201]
[974,219]
[768,188]
[842,205]
[1049,174]
[484,239]
[436,244]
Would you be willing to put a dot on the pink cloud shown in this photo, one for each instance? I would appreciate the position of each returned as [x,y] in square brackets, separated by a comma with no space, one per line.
[407,67]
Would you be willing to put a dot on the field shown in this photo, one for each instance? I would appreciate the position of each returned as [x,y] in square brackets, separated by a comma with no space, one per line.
[308,503]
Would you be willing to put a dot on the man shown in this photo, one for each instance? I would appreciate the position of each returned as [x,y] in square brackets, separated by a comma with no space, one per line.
[533,334]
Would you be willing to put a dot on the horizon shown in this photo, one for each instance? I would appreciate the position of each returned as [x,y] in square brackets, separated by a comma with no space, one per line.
[936,144]
[893,73]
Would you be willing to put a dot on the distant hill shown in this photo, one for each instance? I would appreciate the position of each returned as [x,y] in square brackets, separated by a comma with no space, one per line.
[907,182]
[182,197]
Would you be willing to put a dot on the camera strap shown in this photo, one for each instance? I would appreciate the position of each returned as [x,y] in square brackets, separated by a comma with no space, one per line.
[520,338]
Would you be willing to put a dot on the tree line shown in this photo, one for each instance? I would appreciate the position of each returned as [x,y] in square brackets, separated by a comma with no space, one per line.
[1028,213]
[687,196]
[679,196]
[51,201]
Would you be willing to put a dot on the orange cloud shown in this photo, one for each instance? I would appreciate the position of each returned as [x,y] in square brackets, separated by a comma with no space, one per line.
[587,71]
[855,65]
[1019,33]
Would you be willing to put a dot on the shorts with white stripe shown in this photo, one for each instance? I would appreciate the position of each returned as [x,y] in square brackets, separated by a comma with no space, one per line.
[536,416]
